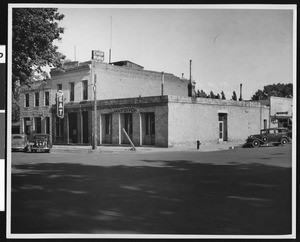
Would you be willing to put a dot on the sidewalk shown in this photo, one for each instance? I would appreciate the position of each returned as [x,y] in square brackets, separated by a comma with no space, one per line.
[128,149]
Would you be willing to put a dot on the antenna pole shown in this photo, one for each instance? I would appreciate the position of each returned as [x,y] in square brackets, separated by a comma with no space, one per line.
[110,39]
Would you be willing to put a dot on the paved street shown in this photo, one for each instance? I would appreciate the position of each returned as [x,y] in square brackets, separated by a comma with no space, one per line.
[245,191]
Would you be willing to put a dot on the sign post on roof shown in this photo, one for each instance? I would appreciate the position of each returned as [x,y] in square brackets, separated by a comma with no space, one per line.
[60,104]
[97,55]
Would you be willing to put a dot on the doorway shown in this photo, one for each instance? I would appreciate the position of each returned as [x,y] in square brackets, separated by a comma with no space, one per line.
[85,127]
[148,129]
[73,134]
[222,127]
[127,125]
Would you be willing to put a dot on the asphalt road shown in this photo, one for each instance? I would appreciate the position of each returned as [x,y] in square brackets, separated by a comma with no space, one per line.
[230,192]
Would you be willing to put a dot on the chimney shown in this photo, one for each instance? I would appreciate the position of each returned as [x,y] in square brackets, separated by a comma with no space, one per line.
[191,87]
[182,76]
[241,99]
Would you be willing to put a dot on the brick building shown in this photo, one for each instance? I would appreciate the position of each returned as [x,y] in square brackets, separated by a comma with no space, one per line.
[35,107]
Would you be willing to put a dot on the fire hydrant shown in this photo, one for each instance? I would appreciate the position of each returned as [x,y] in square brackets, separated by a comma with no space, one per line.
[198,144]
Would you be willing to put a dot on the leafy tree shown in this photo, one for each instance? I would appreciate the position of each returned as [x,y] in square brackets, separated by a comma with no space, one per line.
[217,96]
[201,94]
[223,95]
[211,95]
[33,33]
[234,96]
[276,90]
[15,110]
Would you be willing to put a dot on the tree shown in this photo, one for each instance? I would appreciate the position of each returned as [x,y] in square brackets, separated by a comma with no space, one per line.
[212,95]
[276,90]
[201,94]
[234,96]
[217,96]
[33,33]
[223,96]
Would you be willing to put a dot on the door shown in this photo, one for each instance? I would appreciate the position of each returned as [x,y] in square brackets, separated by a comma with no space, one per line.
[73,134]
[128,127]
[221,131]
[85,127]
[149,129]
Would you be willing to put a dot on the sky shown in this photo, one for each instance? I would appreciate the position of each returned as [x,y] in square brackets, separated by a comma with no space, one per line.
[228,47]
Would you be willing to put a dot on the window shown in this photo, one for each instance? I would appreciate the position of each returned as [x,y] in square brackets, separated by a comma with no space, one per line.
[27,100]
[46,98]
[38,125]
[47,124]
[37,99]
[59,87]
[27,126]
[84,90]
[71,91]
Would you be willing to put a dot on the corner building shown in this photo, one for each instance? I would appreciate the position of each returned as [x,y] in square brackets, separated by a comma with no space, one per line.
[152,107]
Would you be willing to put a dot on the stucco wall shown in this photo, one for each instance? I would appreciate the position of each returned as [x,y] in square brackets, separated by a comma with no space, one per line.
[198,120]
[279,104]
[123,82]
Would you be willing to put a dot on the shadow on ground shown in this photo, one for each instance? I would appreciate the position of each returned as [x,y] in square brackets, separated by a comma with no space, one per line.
[181,197]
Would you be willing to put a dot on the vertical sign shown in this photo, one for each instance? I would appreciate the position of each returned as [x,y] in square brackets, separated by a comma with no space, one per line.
[60,104]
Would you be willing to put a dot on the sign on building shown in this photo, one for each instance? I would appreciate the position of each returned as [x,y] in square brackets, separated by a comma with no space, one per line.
[98,55]
[60,104]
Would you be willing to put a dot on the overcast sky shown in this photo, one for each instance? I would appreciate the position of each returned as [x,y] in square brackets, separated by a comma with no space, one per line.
[227,46]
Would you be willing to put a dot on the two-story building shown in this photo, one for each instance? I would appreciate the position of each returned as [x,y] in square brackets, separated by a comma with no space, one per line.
[153,108]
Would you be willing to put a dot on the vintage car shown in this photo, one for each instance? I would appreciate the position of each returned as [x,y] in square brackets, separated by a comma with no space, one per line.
[41,142]
[276,136]
[19,142]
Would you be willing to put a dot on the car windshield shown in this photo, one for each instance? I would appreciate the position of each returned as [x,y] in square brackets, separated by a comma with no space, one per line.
[40,137]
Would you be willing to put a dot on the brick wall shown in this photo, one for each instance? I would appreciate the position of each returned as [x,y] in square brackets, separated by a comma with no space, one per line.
[33,111]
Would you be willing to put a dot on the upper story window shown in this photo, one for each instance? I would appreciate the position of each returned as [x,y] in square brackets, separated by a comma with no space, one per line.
[37,99]
[27,100]
[71,91]
[84,90]
[59,87]
[46,98]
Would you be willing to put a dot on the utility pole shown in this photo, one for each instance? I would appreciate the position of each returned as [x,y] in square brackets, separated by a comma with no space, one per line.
[97,56]
[94,144]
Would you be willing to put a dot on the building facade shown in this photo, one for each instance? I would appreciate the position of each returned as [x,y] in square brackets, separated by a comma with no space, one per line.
[35,108]
[152,108]
[163,121]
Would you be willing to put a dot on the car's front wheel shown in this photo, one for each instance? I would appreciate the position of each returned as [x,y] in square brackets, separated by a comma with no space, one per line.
[255,143]
[283,141]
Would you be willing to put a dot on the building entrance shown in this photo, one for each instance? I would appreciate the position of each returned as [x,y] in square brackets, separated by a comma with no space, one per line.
[73,134]
[222,127]
[126,121]
[106,120]
[148,129]
[85,127]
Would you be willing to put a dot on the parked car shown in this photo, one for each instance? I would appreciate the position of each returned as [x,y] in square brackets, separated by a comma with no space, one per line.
[19,142]
[41,142]
[276,136]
